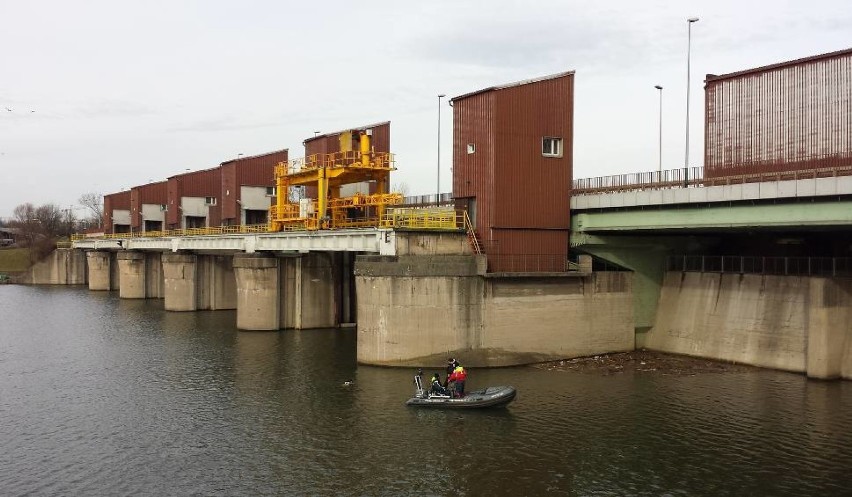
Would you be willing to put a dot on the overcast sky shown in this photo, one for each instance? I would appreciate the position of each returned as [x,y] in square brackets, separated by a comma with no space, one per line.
[112,94]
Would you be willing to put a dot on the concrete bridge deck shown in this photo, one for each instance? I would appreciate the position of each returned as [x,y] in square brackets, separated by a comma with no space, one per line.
[366,240]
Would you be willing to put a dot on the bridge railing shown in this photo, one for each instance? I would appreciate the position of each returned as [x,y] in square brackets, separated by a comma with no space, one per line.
[695,176]
[670,178]
[787,266]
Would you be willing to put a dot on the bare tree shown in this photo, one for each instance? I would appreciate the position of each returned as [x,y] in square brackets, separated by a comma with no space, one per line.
[95,203]
[401,187]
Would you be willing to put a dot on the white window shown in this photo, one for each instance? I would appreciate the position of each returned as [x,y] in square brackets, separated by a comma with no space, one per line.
[551,147]
[270,191]
[471,148]
[210,200]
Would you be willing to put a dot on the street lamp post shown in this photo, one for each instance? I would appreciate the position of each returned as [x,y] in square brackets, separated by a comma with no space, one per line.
[688,53]
[438,195]
[660,88]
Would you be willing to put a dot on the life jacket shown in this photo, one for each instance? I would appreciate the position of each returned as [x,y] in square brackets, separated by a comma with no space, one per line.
[459,374]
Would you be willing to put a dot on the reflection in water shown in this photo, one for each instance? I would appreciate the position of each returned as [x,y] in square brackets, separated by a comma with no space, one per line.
[101,396]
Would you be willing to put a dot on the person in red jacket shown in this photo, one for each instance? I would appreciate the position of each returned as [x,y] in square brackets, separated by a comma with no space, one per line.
[457,379]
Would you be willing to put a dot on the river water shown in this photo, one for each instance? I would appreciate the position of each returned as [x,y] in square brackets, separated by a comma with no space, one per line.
[102,396]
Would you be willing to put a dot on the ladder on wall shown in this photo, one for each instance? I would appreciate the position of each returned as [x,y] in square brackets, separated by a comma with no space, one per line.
[471,235]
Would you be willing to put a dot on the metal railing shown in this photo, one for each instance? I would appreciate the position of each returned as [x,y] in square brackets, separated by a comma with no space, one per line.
[789,266]
[527,263]
[436,218]
[676,178]
[670,178]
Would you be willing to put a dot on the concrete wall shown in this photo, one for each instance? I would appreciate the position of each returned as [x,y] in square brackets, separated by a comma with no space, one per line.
[434,243]
[793,323]
[61,267]
[420,310]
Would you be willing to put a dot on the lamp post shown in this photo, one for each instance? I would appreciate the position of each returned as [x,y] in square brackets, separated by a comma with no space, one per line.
[660,88]
[438,194]
[688,53]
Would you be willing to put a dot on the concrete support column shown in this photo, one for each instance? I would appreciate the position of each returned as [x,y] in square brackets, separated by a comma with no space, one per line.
[99,270]
[154,275]
[179,276]
[131,266]
[217,285]
[308,292]
[258,292]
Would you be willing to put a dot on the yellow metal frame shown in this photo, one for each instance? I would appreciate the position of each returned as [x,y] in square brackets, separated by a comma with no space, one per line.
[328,173]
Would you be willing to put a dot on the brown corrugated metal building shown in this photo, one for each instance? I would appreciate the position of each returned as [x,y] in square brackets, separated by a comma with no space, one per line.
[193,199]
[239,178]
[792,116]
[117,212]
[512,170]
[148,205]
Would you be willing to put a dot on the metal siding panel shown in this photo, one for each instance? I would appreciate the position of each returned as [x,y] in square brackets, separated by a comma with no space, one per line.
[787,117]
[533,190]
[229,193]
[473,174]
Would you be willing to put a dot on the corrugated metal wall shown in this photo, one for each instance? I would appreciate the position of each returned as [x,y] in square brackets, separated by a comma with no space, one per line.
[152,193]
[114,201]
[473,174]
[534,189]
[258,170]
[522,197]
[791,116]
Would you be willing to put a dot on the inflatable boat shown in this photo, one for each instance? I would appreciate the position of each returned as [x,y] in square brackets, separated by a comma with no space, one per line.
[487,397]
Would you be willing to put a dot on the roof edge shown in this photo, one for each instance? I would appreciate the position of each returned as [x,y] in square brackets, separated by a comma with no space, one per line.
[254,156]
[778,65]
[512,85]
[333,133]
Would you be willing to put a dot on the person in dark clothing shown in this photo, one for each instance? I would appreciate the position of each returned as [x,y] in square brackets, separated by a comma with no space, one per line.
[451,366]
[436,387]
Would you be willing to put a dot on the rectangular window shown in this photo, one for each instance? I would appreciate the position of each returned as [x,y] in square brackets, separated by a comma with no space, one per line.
[471,148]
[270,191]
[551,146]
[210,200]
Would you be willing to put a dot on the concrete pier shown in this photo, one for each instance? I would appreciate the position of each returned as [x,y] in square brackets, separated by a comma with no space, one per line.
[217,284]
[418,310]
[180,284]
[258,292]
[62,267]
[308,291]
[154,275]
[793,323]
[131,266]
[100,270]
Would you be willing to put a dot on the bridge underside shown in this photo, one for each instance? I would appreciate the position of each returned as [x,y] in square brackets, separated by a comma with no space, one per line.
[640,239]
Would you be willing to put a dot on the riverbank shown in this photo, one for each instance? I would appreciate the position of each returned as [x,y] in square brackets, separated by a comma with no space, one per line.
[643,362]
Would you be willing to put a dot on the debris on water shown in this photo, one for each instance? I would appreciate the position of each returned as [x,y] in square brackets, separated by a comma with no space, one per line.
[348,383]
[643,362]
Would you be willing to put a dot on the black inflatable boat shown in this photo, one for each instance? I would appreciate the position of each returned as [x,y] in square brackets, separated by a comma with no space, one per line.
[488,397]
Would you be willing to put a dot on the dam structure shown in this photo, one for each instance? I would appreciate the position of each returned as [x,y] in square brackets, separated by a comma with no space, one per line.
[747,259]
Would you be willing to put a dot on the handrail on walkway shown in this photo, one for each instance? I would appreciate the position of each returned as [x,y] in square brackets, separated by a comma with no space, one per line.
[787,266]
[693,177]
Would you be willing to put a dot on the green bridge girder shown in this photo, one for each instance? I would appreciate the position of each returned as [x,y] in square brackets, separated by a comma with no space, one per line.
[715,217]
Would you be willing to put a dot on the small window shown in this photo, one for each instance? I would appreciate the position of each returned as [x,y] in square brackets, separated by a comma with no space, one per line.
[471,148]
[551,147]
[270,191]
[210,200]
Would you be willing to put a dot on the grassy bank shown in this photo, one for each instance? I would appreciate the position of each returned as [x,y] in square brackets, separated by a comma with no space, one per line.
[14,260]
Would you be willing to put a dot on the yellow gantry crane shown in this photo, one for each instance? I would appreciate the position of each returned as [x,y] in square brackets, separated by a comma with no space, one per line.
[328,173]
